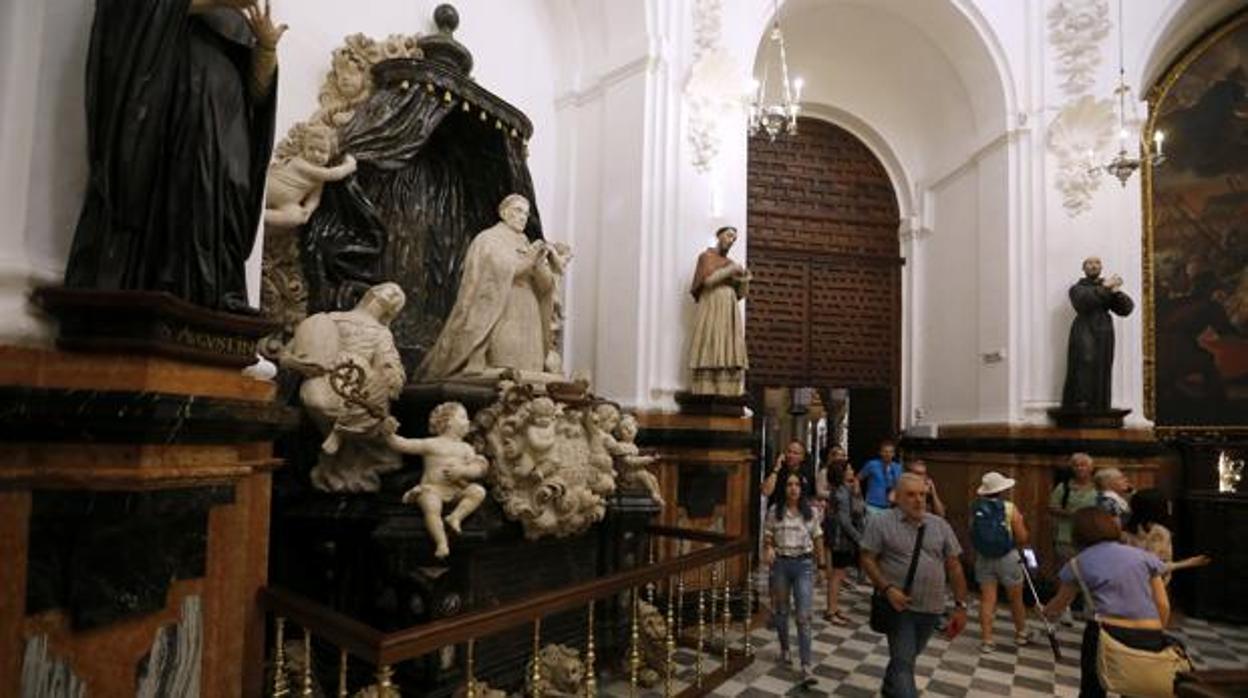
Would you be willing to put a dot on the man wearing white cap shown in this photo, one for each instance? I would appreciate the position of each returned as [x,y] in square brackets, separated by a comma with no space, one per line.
[997,530]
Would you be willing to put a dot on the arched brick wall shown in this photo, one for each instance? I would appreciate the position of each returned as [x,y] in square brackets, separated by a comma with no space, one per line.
[825,301]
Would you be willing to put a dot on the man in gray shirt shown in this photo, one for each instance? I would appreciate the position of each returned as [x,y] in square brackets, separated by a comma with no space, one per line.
[887,546]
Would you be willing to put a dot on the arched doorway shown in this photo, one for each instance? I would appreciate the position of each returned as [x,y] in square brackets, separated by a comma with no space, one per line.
[825,301]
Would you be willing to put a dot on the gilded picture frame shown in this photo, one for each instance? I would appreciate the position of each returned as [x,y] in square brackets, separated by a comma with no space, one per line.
[1195,325]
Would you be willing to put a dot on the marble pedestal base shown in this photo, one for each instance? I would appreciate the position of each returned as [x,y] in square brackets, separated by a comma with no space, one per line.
[154,323]
[1074,418]
[134,504]
[726,405]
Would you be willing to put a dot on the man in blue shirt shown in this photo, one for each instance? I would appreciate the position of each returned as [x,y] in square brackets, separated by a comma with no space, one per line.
[879,477]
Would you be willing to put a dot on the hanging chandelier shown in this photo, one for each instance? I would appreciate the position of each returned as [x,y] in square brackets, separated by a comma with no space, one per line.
[778,116]
[1123,165]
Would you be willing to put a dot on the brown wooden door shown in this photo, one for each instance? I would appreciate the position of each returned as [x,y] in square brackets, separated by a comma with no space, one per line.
[825,301]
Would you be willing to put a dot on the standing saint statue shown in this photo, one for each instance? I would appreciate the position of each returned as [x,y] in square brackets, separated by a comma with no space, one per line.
[180,106]
[717,354]
[1090,354]
[504,312]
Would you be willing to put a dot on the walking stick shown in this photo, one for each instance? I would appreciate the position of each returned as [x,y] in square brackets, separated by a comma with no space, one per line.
[1048,627]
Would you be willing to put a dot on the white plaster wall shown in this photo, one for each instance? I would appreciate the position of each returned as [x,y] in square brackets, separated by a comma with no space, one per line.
[947,340]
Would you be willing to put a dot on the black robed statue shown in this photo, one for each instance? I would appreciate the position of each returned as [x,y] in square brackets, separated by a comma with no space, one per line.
[1090,354]
[180,107]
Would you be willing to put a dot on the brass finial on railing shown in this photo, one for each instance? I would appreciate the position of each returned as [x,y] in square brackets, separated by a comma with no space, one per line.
[651,584]
[697,662]
[536,691]
[342,674]
[385,689]
[307,664]
[280,689]
[634,647]
[669,661]
[470,682]
[714,604]
[747,616]
[591,679]
[727,612]
[680,604]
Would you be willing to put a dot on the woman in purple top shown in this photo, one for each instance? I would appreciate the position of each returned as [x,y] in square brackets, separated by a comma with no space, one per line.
[1128,593]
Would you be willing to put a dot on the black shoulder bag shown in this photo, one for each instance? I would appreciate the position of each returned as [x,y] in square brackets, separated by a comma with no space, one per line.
[883,615]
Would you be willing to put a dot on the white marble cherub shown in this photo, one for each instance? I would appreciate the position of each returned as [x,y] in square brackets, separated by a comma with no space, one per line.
[296,181]
[451,467]
[629,461]
[348,83]
[600,422]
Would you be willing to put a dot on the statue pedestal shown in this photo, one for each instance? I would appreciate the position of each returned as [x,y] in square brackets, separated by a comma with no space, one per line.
[153,323]
[1075,418]
[726,405]
[134,503]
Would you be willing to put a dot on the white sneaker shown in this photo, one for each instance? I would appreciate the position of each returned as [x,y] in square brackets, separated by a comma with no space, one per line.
[987,647]
[1067,619]
[1022,639]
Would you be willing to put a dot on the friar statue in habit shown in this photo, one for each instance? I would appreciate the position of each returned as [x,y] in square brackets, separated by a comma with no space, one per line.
[1090,354]
[504,310]
[180,106]
[717,355]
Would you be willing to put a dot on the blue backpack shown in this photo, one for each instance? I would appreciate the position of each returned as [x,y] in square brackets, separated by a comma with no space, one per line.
[990,533]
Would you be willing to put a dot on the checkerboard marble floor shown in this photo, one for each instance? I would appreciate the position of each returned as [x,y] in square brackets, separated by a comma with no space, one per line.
[850,660]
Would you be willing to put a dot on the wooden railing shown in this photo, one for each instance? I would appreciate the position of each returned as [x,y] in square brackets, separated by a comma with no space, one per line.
[384,650]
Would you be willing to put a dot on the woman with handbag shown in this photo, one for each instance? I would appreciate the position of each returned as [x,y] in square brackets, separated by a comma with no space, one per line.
[1125,648]
[792,540]
[843,526]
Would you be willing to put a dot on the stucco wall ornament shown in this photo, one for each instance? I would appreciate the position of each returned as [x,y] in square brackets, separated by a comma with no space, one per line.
[1076,28]
[713,88]
[1083,128]
[551,468]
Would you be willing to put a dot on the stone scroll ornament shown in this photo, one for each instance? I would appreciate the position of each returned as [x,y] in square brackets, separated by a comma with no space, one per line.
[351,372]
[561,672]
[551,467]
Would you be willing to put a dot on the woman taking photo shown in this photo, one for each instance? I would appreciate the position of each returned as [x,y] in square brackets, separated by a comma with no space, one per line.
[1128,594]
[842,528]
[791,544]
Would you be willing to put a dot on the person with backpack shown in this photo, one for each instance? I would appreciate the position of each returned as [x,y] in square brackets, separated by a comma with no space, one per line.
[997,531]
[1074,490]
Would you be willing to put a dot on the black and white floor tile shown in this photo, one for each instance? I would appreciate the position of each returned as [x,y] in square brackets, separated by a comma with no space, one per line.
[850,660]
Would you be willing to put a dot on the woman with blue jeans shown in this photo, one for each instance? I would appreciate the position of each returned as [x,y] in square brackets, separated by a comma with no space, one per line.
[792,542]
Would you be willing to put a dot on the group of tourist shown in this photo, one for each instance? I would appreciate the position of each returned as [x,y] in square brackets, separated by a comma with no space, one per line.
[1111,545]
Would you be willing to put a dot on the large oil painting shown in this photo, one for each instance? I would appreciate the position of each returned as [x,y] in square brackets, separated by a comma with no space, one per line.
[1196,238]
